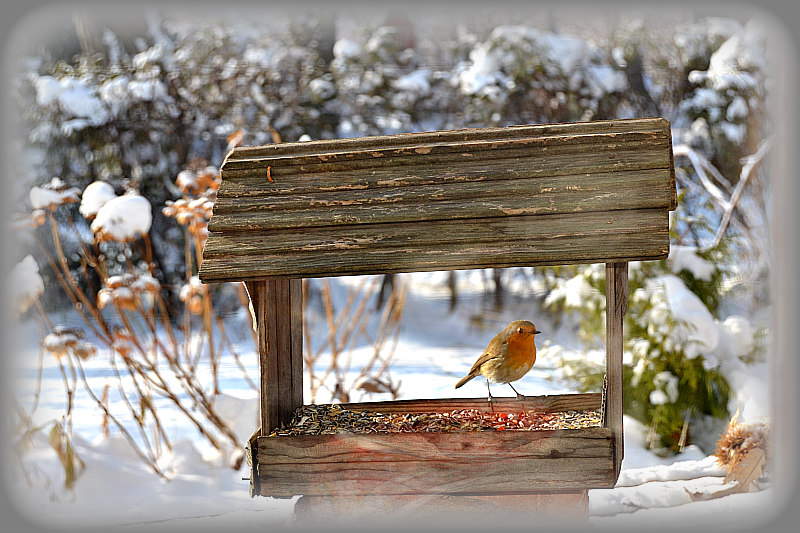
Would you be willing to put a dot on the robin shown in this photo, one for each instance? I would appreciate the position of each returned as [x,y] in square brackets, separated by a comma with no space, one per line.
[509,356]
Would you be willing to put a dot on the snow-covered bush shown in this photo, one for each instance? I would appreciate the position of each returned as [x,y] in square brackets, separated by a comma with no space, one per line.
[525,75]
[129,323]
[675,348]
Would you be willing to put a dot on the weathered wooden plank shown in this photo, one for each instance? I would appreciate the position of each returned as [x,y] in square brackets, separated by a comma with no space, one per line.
[252,461]
[290,180]
[280,356]
[521,248]
[470,232]
[462,135]
[550,403]
[446,447]
[513,475]
[650,184]
[389,156]
[616,306]
[436,462]
[607,192]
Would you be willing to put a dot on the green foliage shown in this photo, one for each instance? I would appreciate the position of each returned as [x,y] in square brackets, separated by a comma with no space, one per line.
[667,380]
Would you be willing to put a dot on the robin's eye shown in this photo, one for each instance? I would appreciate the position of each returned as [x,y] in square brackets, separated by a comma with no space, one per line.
[519,330]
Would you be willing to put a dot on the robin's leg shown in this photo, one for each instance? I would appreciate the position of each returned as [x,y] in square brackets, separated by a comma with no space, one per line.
[491,398]
[515,390]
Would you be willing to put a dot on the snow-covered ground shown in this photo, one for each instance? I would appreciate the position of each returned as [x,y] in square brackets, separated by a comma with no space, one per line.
[436,347]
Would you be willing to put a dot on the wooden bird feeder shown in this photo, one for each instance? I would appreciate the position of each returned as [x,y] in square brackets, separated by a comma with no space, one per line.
[591,192]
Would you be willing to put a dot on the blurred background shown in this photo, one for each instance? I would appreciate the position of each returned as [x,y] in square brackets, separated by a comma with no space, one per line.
[122,119]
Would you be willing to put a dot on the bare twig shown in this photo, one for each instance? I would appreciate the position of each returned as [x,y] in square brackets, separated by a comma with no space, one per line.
[751,162]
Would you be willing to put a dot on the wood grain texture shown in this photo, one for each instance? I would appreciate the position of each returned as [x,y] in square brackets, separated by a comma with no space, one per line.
[462,135]
[408,247]
[390,155]
[453,462]
[616,307]
[541,196]
[280,349]
[441,462]
[410,202]
[550,403]
[288,179]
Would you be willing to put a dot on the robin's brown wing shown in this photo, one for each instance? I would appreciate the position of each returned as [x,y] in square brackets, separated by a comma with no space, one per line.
[486,356]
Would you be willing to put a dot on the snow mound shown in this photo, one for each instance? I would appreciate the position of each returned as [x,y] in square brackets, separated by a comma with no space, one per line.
[25,284]
[702,334]
[94,196]
[123,219]
[53,194]
[686,258]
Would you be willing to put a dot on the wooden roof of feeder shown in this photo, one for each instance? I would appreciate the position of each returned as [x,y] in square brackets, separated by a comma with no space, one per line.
[591,192]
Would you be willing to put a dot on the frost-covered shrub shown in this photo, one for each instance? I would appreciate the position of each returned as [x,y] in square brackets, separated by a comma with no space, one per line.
[377,85]
[727,88]
[676,347]
[670,375]
[135,118]
[524,75]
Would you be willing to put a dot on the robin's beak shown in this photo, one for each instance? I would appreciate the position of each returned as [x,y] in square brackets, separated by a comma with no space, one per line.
[536,332]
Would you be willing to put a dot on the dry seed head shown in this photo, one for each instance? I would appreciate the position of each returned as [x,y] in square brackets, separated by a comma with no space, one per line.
[62,340]
[53,194]
[739,439]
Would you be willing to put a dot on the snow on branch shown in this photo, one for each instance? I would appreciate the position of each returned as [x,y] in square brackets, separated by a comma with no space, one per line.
[703,168]
[749,163]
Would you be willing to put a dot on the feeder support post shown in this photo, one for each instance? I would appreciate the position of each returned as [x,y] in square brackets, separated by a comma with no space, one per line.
[616,306]
[278,310]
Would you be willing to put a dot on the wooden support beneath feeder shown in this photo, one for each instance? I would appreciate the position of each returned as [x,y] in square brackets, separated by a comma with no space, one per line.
[278,307]
[616,306]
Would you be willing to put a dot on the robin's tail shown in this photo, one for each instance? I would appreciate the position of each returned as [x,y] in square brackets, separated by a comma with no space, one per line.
[464,380]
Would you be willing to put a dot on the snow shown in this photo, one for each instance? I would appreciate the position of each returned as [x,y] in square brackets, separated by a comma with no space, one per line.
[124,218]
[701,333]
[52,194]
[736,133]
[77,99]
[24,284]
[575,292]
[741,52]
[435,347]
[683,257]
[114,92]
[94,196]
[321,88]
[606,79]
[415,82]
[186,180]
[146,90]
[669,383]
[195,286]
[495,64]
[344,49]
[737,109]
[736,337]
